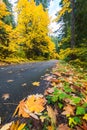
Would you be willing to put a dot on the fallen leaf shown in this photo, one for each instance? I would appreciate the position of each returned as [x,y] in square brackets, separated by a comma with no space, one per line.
[50,128]
[57,74]
[17,126]
[49,91]
[48,78]
[69,110]
[85,117]
[7,126]
[35,103]
[9,81]
[36,84]
[21,126]
[30,113]
[84,126]
[20,109]
[42,118]
[55,81]
[52,114]
[63,127]
[85,99]
[5,96]
[24,84]
[78,128]
[10,72]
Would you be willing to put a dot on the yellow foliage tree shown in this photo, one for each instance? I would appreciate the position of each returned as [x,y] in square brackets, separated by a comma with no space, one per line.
[5,30]
[65,8]
[32,25]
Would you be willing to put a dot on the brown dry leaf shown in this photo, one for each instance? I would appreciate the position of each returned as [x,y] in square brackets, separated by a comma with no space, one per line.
[5,96]
[48,78]
[84,126]
[78,128]
[10,80]
[55,81]
[7,126]
[70,79]
[52,114]
[35,103]
[57,74]
[31,114]
[63,127]
[36,84]
[69,110]
[49,91]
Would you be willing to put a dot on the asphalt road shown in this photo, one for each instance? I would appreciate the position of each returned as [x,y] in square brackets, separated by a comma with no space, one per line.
[16,83]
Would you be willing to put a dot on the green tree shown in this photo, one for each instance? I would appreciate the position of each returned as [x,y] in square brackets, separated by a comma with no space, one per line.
[45,3]
[10,18]
[5,30]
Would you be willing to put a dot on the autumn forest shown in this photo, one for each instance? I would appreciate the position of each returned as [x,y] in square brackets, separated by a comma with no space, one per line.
[26,37]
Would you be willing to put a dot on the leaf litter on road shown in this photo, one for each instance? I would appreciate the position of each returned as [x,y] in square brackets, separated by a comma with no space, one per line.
[36,84]
[6,96]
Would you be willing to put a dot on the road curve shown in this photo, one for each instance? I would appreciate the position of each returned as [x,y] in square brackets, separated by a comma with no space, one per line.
[16,83]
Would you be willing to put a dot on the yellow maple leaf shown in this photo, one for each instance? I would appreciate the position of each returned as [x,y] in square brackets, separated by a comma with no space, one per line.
[85,117]
[35,103]
[36,84]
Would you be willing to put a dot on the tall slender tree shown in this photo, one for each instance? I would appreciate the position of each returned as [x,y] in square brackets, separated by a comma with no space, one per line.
[72,24]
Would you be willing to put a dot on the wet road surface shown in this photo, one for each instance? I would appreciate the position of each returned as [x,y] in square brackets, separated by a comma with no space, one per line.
[16,83]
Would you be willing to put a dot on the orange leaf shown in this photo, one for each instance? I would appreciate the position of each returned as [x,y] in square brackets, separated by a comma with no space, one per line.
[50,128]
[69,110]
[21,108]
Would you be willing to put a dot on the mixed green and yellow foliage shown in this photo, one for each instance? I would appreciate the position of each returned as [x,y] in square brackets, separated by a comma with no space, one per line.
[73,39]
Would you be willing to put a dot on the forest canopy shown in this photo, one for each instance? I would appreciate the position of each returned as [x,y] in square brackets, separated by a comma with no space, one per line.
[29,38]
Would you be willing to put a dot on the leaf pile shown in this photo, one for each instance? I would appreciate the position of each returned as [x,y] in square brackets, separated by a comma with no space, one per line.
[62,107]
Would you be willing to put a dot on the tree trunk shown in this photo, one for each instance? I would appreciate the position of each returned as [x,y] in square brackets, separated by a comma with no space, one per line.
[72,25]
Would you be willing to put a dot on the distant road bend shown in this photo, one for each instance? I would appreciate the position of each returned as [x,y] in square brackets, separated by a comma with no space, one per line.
[16,83]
